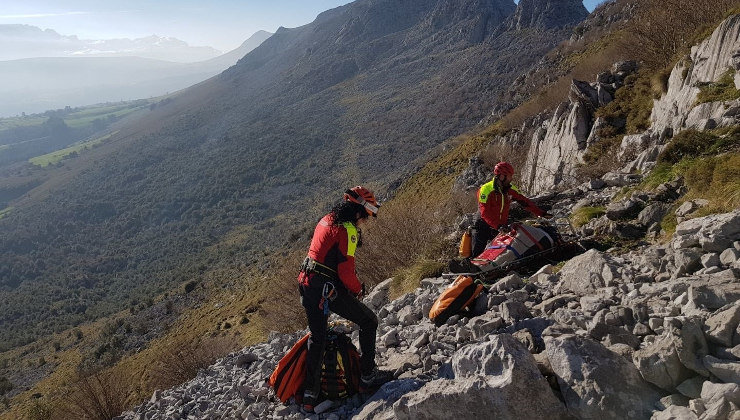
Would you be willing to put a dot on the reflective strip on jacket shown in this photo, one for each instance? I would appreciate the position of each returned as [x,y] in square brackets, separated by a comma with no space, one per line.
[334,246]
[494,203]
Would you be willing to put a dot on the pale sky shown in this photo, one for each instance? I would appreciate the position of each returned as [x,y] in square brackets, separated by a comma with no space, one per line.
[222,24]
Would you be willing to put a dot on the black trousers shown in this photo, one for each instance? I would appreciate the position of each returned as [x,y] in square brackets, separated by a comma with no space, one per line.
[346,306]
[482,233]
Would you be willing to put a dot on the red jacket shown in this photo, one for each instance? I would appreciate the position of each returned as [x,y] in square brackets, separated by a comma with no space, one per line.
[334,247]
[494,204]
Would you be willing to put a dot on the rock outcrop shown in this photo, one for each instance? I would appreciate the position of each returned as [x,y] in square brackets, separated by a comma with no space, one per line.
[708,61]
[558,145]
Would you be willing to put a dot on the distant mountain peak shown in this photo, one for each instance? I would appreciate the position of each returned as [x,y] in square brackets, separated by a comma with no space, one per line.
[19,41]
[547,14]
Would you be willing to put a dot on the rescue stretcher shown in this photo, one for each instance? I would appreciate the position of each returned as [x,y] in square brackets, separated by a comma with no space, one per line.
[523,247]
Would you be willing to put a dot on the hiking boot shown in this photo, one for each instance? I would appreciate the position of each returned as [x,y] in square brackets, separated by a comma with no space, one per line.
[375,378]
[309,401]
[462,266]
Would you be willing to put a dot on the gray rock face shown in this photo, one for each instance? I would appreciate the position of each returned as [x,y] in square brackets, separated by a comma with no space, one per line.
[725,370]
[660,364]
[709,60]
[499,376]
[547,14]
[713,233]
[626,209]
[587,272]
[597,383]
[653,213]
[720,327]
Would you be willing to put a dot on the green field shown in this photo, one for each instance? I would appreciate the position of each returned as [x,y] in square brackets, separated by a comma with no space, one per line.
[87,116]
[78,117]
[54,157]
[5,211]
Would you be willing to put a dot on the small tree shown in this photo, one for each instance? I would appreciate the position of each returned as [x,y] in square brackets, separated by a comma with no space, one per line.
[663,29]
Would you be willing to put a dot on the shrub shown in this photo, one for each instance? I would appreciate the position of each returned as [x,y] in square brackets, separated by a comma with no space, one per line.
[189,286]
[407,279]
[40,410]
[663,29]
[582,216]
[5,385]
[721,90]
[661,173]
[716,179]
[100,395]
[407,233]
[692,143]
[686,144]
[630,110]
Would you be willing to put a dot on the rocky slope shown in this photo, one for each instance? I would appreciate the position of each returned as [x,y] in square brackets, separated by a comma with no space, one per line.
[652,332]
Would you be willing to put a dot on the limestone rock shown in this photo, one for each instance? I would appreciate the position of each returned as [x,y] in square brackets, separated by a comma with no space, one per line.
[499,376]
[708,61]
[721,326]
[725,370]
[587,272]
[712,391]
[379,295]
[597,383]
[660,365]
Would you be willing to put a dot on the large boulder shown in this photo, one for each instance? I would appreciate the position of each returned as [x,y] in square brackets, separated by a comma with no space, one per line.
[498,377]
[725,370]
[380,405]
[713,292]
[598,383]
[586,273]
[674,356]
[720,327]
[713,233]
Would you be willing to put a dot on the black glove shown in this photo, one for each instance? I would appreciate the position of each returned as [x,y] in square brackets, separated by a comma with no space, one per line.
[363,291]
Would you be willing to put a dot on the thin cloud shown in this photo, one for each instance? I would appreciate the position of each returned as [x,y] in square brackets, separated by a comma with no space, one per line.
[42,15]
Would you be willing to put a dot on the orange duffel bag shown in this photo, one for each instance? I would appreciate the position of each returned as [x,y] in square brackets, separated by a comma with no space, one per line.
[287,378]
[461,293]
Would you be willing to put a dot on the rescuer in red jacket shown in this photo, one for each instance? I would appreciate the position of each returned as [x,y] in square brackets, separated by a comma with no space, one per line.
[494,199]
[328,282]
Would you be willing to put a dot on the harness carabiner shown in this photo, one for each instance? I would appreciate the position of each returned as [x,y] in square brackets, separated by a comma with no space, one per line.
[328,294]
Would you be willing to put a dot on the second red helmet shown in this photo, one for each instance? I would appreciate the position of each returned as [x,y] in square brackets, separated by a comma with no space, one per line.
[503,168]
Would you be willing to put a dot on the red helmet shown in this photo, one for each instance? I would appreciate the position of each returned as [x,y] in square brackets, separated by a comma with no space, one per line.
[503,168]
[363,197]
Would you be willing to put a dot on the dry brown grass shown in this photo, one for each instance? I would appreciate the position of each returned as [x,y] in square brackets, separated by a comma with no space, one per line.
[282,310]
[402,235]
[180,360]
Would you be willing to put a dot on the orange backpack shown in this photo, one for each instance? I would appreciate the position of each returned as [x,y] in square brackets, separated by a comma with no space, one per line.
[287,378]
[461,293]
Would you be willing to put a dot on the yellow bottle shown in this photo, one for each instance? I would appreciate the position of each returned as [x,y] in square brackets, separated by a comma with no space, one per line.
[466,245]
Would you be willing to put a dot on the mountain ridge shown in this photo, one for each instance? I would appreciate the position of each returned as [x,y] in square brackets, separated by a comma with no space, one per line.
[33,85]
